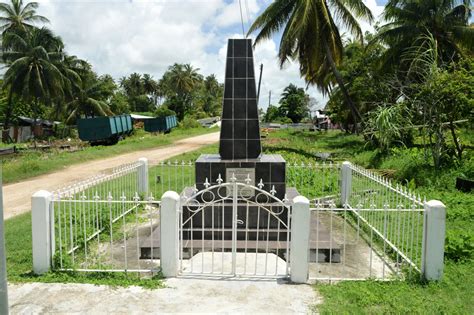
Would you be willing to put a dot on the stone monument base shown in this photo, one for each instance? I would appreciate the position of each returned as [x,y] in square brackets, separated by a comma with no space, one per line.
[268,169]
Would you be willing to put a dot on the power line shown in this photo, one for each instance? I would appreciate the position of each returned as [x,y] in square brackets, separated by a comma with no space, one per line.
[242,19]
[248,14]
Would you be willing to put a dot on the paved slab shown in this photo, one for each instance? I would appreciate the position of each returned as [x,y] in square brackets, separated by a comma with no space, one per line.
[17,197]
[180,296]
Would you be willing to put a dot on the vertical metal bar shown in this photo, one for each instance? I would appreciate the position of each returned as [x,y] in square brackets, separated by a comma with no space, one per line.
[202,238]
[268,239]
[60,235]
[212,239]
[256,243]
[246,237]
[234,227]
[124,234]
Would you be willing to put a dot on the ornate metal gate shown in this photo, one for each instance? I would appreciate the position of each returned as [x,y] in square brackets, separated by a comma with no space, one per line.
[234,229]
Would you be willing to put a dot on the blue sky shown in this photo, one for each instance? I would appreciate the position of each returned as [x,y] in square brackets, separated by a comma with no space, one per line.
[119,37]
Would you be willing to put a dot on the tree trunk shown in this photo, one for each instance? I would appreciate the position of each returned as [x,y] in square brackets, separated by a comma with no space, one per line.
[340,82]
[8,113]
[455,139]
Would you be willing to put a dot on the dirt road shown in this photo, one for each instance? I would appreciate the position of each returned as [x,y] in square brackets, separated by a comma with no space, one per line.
[17,197]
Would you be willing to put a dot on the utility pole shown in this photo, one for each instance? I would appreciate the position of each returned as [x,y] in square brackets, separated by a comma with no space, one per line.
[3,259]
[259,83]
[269,98]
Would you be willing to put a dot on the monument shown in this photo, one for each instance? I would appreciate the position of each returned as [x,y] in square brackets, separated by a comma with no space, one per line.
[208,225]
[240,148]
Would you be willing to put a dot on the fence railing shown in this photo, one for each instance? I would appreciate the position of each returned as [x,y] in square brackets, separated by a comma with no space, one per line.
[365,226]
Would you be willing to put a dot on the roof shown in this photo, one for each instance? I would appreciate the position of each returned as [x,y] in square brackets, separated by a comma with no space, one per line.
[39,121]
[141,117]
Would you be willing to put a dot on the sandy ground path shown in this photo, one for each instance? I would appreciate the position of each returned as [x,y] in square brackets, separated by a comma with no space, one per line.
[179,296]
[17,197]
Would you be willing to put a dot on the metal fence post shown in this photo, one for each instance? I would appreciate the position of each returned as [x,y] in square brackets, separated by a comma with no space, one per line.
[434,230]
[169,234]
[143,176]
[299,249]
[346,182]
[3,258]
[41,224]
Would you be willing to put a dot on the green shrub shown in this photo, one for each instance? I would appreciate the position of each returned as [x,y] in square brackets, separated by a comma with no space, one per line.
[189,123]
[164,111]
[459,245]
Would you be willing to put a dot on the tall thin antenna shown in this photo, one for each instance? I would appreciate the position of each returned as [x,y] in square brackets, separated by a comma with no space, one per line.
[242,19]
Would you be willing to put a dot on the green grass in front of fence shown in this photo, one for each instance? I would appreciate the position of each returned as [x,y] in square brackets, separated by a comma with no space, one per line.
[30,164]
[20,261]
[453,295]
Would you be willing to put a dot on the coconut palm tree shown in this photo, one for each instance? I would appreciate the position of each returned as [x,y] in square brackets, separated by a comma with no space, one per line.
[311,36]
[410,22]
[17,16]
[32,73]
[88,101]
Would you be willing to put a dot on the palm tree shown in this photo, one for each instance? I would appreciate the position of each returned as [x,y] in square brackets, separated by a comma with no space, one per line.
[151,88]
[87,102]
[410,22]
[311,36]
[180,82]
[19,17]
[32,72]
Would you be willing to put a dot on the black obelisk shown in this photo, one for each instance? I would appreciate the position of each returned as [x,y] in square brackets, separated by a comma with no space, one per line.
[240,131]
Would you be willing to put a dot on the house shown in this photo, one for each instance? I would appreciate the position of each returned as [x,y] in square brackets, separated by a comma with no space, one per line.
[23,129]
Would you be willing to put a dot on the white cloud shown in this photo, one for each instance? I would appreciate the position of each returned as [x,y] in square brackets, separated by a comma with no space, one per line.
[119,37]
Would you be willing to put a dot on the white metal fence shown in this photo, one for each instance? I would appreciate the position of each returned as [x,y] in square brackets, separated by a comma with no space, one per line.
[360,224]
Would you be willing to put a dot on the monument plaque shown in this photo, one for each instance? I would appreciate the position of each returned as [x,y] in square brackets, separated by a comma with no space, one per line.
[244,176]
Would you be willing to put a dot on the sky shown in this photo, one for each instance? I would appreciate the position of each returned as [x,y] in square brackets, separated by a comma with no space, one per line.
[119,37]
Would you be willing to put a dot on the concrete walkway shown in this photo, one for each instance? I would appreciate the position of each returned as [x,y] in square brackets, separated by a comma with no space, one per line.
[181,295]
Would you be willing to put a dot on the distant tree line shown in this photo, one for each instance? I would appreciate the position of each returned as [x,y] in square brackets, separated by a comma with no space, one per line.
[42,80]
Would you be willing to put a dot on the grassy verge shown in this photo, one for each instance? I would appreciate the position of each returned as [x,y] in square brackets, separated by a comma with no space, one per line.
[27,165]
[19,262]
[409,166]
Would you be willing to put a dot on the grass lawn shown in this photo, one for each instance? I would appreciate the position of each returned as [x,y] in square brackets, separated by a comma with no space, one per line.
[453,295]
[26,165]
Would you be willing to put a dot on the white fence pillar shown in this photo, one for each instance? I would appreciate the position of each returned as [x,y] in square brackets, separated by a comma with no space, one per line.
[169,234]
[42,231]
[143,176]
[299,250]
[346,182]
[434,230]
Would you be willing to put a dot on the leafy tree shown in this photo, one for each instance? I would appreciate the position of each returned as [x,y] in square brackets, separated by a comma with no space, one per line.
[164,111]
[137,92]
[180,84]
[310,35]
[366,84]
[273,114]
[152,88]
[212,93]
[89,100]
[410,21]
[16,16]
[294,103]
[32,72]
[118,103]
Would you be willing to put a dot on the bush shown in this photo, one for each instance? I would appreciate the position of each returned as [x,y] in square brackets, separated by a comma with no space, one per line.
[189,123]
[459,246]
[164,111]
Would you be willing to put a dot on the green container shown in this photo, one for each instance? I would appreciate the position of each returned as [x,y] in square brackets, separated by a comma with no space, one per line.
[161,124]
[104,129]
